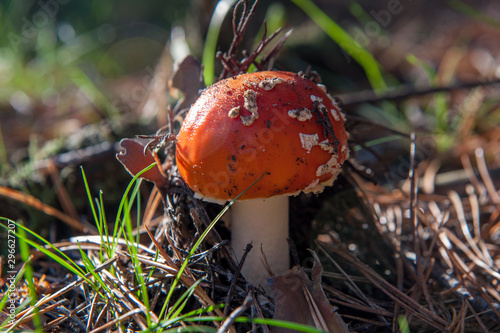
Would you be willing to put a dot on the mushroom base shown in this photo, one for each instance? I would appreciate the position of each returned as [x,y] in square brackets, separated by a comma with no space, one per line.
[264,223]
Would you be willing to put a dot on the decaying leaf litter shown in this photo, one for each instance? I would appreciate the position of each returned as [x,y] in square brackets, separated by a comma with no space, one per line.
[422,249]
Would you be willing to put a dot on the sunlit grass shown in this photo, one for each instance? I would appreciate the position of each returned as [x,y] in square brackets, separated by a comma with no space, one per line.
[437,113]
[472,12]
[89,267]
[210,48]
[364,58]
[403,324]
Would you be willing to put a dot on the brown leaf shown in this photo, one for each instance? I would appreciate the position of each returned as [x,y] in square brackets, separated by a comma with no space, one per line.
[300,300]
[187,79]
[134,160]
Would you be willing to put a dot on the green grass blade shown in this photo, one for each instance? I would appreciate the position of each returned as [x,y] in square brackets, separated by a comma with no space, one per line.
[20,307]
[138,218]
[26,258]
[117,230]
[89,265]
[103,230]
[364,58]
[86,84]
[360,14]
[194,313]
[271,322]
[89,196]
[181,302]
[403,324]
[197,328]
[133,250]
[210,48]
[63,259]
[6,297]
[4,164]
[472,12]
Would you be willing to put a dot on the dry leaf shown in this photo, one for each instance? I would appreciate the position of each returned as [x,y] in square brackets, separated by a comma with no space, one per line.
[134,160]
[187,79]
[300,300]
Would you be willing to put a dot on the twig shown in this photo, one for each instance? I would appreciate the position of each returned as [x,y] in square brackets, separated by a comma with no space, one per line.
[485,176]
[408,91]
[471,176]
[71,314]
[235,278]
[229,58]
[239,29]
[90,315]
[231,66]
[62,193]
[399,260]
[128,299]
[46,310]
[186,280]
[421,281]
[103,312]
[257,308]
[452,238]
[474,313]
[394,293]
[456,201]
[196,257]
[354,303]
[265,61]
[372,123]
[25,313]
[235,314]
[354,287]
[49,210]
[77,157]
[117,320]
[202,213]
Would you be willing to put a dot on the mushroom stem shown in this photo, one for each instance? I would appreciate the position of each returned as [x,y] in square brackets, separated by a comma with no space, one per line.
[264,223]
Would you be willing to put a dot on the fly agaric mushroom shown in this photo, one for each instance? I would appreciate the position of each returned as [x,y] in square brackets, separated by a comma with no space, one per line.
[277,124]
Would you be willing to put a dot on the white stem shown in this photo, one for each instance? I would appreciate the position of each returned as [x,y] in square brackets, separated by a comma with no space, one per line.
[262,222]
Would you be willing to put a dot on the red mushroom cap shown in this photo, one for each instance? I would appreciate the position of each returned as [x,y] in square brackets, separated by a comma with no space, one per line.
[270,123]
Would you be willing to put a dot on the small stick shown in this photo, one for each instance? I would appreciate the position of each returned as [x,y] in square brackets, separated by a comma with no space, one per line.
[351,284]
[235,314]
[421,281]
[485,176]
[474,313]
[235,278]
[408,91]
[257,308]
